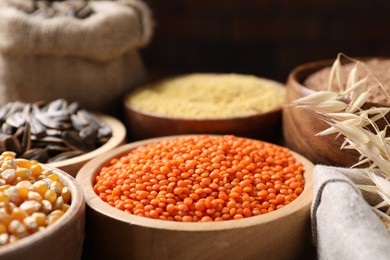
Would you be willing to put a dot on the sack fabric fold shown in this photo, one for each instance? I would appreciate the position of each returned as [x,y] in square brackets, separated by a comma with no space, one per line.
[344,226]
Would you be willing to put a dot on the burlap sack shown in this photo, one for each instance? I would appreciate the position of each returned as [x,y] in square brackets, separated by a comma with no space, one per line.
[343,224]
[93,61]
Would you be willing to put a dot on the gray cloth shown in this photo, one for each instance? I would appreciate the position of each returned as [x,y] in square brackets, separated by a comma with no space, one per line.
[343,224]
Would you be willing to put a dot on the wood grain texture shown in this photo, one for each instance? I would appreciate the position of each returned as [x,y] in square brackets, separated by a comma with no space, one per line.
[301,125]
[73,165]
[282,234]
[143,125]
[62,240]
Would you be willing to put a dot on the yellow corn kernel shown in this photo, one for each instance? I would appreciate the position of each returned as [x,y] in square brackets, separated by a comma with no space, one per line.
[2,182]
[18,214]
[58,204]
[4,238]
[57,187]
[13,195]
[3,197]
[66,194]
[8,175]
[8,164]
[32,195]
[36,169]
[40,218]
[13,238]
[8,154]
[40,187]
[31,224]
[53,176]
[23,173]
[23,188]
[47,207]
[23,163]
[3,228]
[51,196]
[47,172]
[30,206]
[16,227]
[54,216]
[5,218]
[65,207]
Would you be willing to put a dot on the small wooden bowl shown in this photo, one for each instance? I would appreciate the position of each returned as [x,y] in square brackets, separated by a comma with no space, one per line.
[143,124]
[61,240]
[73,165]
[301,125]
[112,233]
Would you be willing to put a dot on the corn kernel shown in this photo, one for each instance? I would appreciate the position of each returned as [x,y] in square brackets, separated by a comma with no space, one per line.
[30,206]
[8,175]
[3,228]
[51,196]
[5,218]
[39,187]
[30,223]
[53,177]
[32,195]
[57,187]
[23,173]
[16,227]
[65,207]
[23,163]
[54,216]
[59,203]
[3,197]
[18,214]
[47,207]
[36,169]
[66,194]
[40,218]
[4,238]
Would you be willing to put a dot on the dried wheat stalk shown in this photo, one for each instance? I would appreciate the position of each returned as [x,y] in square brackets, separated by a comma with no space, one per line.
[342,111]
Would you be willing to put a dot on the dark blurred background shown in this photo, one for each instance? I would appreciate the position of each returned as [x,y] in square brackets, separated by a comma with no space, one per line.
[266,38]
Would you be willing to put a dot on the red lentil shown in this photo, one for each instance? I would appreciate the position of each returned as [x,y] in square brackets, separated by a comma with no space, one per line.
[202,178]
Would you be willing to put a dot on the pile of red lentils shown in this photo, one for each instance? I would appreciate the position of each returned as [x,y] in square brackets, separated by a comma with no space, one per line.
[202,178]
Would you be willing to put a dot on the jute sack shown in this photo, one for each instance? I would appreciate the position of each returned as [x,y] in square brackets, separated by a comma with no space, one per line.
[343,224]
[93,61]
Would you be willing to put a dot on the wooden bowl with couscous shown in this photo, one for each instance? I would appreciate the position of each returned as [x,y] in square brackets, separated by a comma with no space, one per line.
[205,103]
[198,197]
[42,213]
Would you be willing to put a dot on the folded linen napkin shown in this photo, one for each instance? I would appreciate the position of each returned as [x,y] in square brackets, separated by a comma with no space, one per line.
[343,224]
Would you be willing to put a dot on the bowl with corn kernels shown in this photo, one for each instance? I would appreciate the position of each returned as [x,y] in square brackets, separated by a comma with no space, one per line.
[42,211]
[206,103]
[198,197]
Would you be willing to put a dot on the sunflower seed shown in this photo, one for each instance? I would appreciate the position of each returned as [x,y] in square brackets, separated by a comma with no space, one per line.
[73,141]
[64,156]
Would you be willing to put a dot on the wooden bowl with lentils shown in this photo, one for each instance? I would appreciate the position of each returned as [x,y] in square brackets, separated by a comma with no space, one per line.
[198,197]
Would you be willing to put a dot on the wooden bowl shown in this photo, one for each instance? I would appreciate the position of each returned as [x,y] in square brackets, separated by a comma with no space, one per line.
[301,125]
[61,240]
[115,234]
[73,165]
[143,124]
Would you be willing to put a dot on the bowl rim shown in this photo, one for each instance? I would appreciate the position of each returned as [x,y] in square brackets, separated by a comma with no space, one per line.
[88,172]
[77,205]
[117,138]
[185,119]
